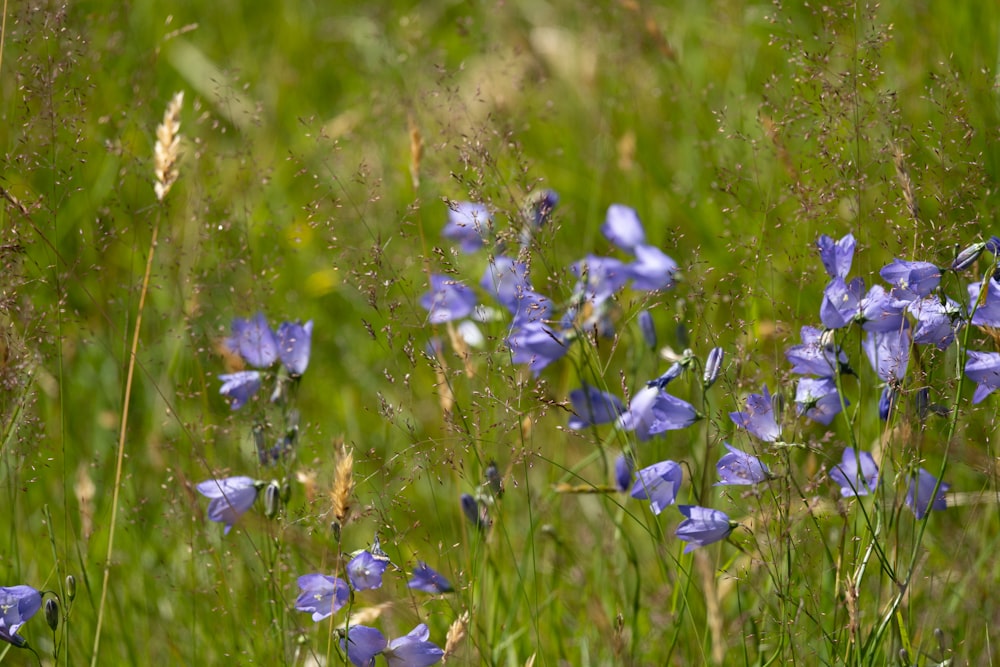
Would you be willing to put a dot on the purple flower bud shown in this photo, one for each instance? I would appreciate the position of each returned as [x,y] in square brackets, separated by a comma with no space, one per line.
[713,364]
[967,257]
[52,614]
[856,474]
[427,580]
[921,496]
[647,328]
[624,465]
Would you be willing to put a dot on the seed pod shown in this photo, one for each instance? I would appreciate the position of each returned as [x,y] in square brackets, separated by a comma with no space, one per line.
[52,613]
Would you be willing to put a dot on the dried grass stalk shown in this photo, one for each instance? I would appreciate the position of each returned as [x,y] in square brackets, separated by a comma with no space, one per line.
[343,484]
[167,150]
[456,633]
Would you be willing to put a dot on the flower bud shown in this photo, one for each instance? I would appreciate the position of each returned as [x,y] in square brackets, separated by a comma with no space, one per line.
[968,256]
[777,405]
[712,366]
[70,587]
[52,613]
[494,480]
[647,328]
[272,499]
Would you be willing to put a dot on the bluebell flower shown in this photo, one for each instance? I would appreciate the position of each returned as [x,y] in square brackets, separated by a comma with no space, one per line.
[474,512]
[921,497]
[759,418]
[675,371]
[365,571]
[17,605]
[652,269]
[889,352]
[841,303]
[623,227]
[624,467]
[539,207]
[530,307]
[911,280]
[413,649]
[600,278]
[993,245]
[535,344]
[659,484]
[647,328]
[254,341]
[239,387]
[937,322]
[987,313]
[738,467]
[712,366]
[428,580]
[468,223]
[968,256]
[230,498]
[639,416]
[814,356]
[887,401]
[818,399]
[294,341]
[856,474]
[591,406]
[836,255]
[983,368]
[507,281]
[880,311]
[703,526]
[362,644]
[447,300]
[321,595]
[671,413]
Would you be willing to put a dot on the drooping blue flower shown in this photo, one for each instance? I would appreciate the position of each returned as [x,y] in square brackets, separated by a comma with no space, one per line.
[17,605]
[600,278]
[647,328]
[364,571]
[591,406]
[537,345]
[842,303]
[531,307]
[987,313]
[468,223]
[413,649]
[937,322]
[993,245]
[239,387]
[474,512]
[540,205]
[759,417]
[836,255]
[507,281]
[652,269]
[921,496]
[856,474]
[880,311]
[738,467]
[428,580]
[294,342]
[675,371]
[447,300]
[813,356]
[983,368]
[624,466]
[703,526]
[713,365]
[889,352]
[254,341]
[911,280]
[887,401]
[639,417]
[230,498]
[623,227]
[321,595]
[818,399]
[659,484]
[362,644]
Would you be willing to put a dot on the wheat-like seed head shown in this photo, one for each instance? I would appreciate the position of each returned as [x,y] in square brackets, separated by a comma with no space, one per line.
[343,484]
[456,633]
[167,150]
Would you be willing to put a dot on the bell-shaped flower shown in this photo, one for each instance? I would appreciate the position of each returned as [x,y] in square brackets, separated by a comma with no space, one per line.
[230,498]
[428,580]
[841,303]
[836,255]
[624,467]
[17,605]
[879,311]
[983,368]
[591,406]
[447,300]
[321,595]
[911,280]
[507,281]
[652,269]
[413,649]
[986,313]
[623,227]
[889,352]
[365,571]
[814,356]
[254,341]
[469,224]
[659,484]
[362,644]
[647,328]
[703,526]
[856,474]
[600,279]
[925,494]
[937,322]
[818,399]
[239,387]
[294,342]
[738,467]
[537,345]
[759,417]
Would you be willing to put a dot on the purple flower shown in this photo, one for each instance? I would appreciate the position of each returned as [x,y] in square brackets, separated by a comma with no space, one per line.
[412,650]
[624,465]
[987,314]
[647,328]
[321,595]
[983,368]
[294,341]
[537,345]
[672,373]
[507,281]
[659,483]
[600,278]
[758,418]
[712,365]
[591,406]
[967,257]
[814,357]
[856,474]
[254,341]
[623,227]
[363,644]
[836,255]
[239,387]
[887,402]
[702,527]
[738,467]
[889,352]
[17,605]
[880,312]
[841,303]
[365,571]
[921,496]
[818,399]
[231,497]
[911,280]
[475,513]
[652,269]
[540,205]
[467,223]
[639,416]
[530,307]
[937,322]
[447,300]
[428,580]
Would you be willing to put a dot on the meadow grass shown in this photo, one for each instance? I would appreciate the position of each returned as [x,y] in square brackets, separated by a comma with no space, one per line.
[320,149]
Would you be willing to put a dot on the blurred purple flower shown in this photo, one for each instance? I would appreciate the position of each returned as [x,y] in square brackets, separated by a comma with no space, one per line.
[600,278]
[474,512]
[294,341]
[364,571]
[624,466]
[17,605]
[659,484]
[254,341]
[239,387]
[759,418]
[321,595]
[921,497]
[507,281]
[671,374]
[540,205]
[937,323]
[447,300]
[230,498]
[911,280]
[738,467]
[856,474]
[648,328]
[623,227]
[889,352]
[652,269]
[467,223]
[428,580]
[836,255]
[591,406]
[987,314]
[818,399]
[537,345]
[886,402]
[983,368]
[812,357]
[703,526]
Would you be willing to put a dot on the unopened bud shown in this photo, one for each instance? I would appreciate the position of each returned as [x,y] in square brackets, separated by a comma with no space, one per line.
[712,366]
[70,587]
[272,500]
[52,613]
[777,405]
[647,328]
[968,256]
